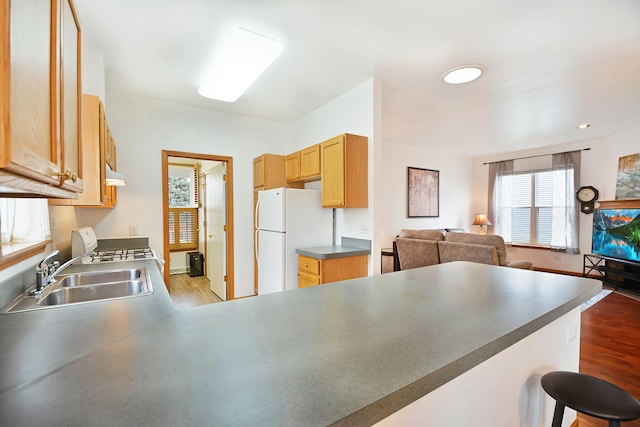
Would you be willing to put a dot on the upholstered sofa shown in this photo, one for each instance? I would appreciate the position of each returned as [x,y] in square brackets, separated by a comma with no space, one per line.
[419,248]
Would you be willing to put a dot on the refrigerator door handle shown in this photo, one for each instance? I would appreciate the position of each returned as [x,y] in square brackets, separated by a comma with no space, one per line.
[257,210]
[255,248]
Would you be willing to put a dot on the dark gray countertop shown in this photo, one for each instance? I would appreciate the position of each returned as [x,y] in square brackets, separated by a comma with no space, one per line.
[349,352]
[335,251]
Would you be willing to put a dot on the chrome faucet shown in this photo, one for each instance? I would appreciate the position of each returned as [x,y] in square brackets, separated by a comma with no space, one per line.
[46,273]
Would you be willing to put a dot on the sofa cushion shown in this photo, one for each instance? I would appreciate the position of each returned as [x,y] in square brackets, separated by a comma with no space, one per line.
[479,239]
[457,251]
[414,253]
[422,234]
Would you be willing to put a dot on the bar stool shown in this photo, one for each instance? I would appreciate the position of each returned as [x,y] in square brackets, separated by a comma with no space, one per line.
[589,395]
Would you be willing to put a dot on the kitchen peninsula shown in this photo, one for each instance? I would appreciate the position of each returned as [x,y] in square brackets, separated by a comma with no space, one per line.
[348,353]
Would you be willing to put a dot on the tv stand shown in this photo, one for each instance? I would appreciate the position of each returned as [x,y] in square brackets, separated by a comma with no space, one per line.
[617,273]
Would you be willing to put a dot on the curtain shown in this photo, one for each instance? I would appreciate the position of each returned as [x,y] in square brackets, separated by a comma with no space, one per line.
[24,220]
[499,203]
[565,215]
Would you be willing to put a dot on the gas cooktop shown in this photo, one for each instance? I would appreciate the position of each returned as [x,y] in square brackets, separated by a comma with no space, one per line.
[123,254]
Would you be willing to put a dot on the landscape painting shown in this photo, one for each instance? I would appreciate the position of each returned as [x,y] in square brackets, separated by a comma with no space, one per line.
[616,233]
[628,182]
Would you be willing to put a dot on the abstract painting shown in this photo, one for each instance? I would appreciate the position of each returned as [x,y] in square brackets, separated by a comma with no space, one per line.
[423,192]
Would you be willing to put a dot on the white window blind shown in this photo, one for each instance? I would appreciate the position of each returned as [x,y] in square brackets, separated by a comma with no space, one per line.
[536,204]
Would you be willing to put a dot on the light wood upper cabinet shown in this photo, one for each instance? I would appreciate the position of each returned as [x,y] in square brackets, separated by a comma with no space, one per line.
[304,165]
[292,166]
[70,97]
[98,151]
[345,172]
[269,171]
[33,154]
[310,161]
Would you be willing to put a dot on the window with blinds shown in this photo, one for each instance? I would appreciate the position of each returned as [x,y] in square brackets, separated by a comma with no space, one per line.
[537,202]
[183,229]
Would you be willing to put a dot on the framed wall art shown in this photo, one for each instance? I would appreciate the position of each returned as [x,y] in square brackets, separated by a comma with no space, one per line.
[628,182]
[423,188]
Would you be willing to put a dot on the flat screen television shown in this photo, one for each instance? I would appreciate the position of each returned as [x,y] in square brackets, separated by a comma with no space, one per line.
[616,233]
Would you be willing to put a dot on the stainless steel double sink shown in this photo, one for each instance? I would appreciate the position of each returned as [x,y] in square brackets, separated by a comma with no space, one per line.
[80,288]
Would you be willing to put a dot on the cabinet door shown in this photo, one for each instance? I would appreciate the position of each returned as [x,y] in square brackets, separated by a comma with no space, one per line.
[292,167]
[306,280]
[30,144]
[310,162]
[70,98]
[333,173]
[258,172]
[336,269]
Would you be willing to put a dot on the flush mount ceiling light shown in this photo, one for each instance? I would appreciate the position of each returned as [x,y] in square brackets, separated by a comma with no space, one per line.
[243,58]
[464,74]
[583,125]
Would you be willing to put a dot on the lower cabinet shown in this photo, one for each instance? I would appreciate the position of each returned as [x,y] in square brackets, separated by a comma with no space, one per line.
[314,271]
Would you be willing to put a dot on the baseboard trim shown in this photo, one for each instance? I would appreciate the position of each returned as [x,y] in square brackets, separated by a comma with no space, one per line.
[179,271]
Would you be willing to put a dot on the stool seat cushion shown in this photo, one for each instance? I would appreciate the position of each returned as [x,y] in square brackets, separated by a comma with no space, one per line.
[592,396]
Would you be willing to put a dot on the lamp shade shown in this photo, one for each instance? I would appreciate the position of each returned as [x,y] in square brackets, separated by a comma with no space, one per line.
[481,219]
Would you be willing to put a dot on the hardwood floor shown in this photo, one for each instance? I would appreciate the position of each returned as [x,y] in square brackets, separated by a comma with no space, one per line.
[610,347]
[191,291]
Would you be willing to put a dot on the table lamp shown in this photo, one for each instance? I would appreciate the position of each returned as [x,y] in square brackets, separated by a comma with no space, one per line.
[482,221]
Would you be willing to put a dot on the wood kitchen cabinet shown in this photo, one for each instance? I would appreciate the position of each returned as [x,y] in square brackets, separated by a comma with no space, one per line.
[99,150]
[313,271]
[304,165]
[40,137]
[345,172]
[292,167]
[310,161]
[269,171]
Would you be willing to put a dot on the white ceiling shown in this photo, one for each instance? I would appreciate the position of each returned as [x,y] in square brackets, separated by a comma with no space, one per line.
[551,64]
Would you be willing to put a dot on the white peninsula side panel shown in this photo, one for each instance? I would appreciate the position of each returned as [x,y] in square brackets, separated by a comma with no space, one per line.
[504,390]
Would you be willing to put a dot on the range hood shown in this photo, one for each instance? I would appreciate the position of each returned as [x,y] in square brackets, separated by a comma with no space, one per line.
[114,179]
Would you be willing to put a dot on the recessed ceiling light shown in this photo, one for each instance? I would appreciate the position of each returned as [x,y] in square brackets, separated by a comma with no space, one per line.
[243,58]
[464,74]
[583,125]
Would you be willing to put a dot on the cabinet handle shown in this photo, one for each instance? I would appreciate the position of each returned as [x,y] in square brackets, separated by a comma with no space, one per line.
[67,175]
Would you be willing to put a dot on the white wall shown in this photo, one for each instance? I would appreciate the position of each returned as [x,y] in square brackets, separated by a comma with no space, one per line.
[599,168]
[142,128]
[353,112]
[455,189]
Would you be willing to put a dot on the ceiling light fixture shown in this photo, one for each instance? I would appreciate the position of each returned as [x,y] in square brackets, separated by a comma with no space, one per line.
[583,125]
[464,74]
[243,58]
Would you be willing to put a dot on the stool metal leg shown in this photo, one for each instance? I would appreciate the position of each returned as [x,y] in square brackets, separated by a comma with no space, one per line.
[558,413]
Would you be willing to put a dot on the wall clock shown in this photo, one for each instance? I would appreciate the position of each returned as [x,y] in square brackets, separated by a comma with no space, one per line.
[587,195]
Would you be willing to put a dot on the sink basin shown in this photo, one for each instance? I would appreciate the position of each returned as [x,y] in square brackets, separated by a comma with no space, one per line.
[66,295]
[79,288]
[101,277]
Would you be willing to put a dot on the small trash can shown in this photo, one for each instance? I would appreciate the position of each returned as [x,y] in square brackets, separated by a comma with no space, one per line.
[196,264]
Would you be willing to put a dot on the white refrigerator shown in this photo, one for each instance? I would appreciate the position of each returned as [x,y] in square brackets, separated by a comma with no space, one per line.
[287,219]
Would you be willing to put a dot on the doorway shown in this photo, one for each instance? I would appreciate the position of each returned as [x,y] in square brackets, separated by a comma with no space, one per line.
[206,246]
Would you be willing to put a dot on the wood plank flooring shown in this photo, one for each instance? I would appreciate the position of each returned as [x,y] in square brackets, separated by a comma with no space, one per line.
[610,347]
[191,291]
